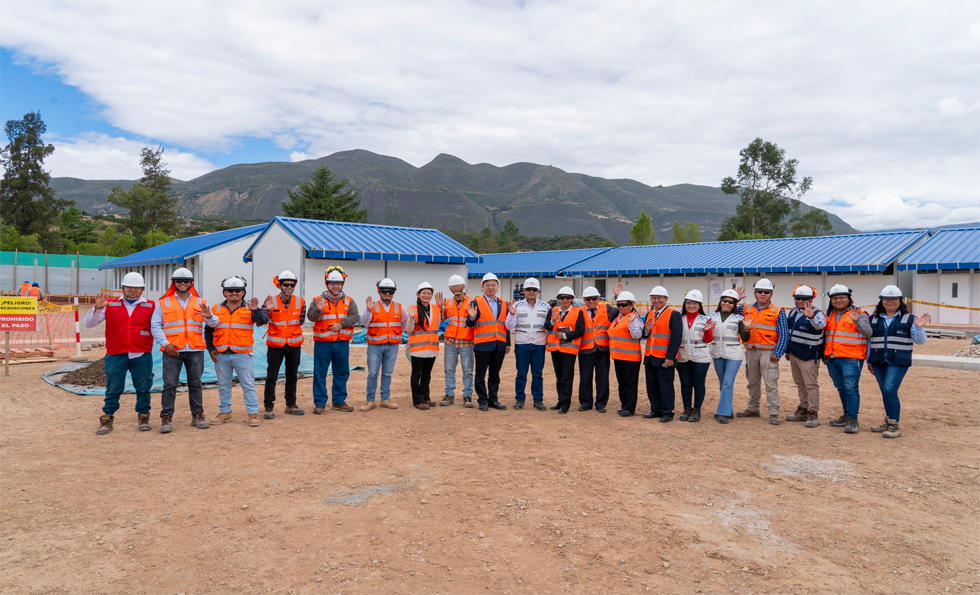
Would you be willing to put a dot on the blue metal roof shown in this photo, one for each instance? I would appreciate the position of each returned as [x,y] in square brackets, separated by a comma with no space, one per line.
[847,253]
[176,251]
[948,249]
[532,264]
[334,239]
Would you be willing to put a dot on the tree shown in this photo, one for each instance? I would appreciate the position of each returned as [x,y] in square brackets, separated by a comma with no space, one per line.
[484,243]
[688,233]
[27,201]
[149,201]
[75,230]
[11,239]
[642,234]
[111,242]
[137,200]
[508,238]
[814,222]
[324,199]
[769,189]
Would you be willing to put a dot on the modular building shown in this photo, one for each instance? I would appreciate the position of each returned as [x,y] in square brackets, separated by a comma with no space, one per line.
[946,272]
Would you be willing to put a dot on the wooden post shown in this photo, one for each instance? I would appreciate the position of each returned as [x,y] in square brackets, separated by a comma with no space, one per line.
[6,354]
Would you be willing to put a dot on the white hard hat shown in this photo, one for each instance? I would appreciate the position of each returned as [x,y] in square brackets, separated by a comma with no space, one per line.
[532,283]
[235,282]
[804,292]
[133,280]
[591,292]
[286,276]
[659,290]
[695,296]
[730,293]
[839,290]
[566,290]
[489,277]
[890,291]
[423,285]
[625,296]
[387,284]
[764,284]
[333,276]
[456,280]
[182,273]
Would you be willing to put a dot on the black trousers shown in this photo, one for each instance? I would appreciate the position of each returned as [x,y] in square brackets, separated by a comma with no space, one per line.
[564,376]
[628,377]
[660,388]
[274,357]
[193,363]
[487,361]
[692,376]
[421,375]
[597,362]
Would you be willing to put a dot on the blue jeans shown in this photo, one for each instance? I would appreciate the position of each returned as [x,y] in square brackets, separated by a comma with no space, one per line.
[380,358]
[692,375]
[241,364]
[452,353]
[889,380]
[846,374]
[727,371]
[533,356]
[141,371]
[330,355]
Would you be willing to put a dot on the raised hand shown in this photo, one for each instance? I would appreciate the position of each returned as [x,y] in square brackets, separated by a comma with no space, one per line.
[473,310]
[809,311]
[618,290]
[649,324]
[202,308]
[253,304]
[741,292]
[512,307]
[439,299]
[369,304]
[318,300]
[270,302]
[100,299]
[710,324]
[921,321]
[747,324]
[411,320]
[854,314]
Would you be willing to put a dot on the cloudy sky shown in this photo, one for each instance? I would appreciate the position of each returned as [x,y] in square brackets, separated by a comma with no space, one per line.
[879,101]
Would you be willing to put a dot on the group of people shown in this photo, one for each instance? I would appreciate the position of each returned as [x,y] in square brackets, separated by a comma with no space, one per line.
[28,289]
[585,333]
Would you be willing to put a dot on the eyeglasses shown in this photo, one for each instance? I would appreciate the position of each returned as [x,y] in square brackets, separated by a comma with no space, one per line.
[235,290]
[627,305]
[387,292]
[182,281]
[591,299]
[763,291]
[565,297]
[531,289]
[731,302]
[287,285]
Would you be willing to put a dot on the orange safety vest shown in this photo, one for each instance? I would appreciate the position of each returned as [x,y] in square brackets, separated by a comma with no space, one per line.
[234,329]
[184,327]
[35,292]
[659,338]
[422,342]
[567,325]
[621,345]
[456,320]
[487,329]
[843,339]
[25,289]
[763,333]
[588,339]
[600,324]
[332,314]
[286,324]
[385,325]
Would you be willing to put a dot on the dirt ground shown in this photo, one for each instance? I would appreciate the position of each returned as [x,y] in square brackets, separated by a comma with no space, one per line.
[456,500]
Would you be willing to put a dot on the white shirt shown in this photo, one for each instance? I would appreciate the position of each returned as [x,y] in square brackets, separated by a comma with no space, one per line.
[527,324]
[156,324]
[96,316]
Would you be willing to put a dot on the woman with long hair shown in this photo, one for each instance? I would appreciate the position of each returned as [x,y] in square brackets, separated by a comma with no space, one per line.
[423,344]
[726,351]
[693,358]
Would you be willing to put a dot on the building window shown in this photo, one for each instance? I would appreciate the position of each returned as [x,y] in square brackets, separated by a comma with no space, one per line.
[956,287]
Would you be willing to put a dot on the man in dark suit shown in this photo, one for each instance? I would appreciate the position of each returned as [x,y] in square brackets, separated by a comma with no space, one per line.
[487,316]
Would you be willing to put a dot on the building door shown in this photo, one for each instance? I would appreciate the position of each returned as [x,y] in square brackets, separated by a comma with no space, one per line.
[600,284]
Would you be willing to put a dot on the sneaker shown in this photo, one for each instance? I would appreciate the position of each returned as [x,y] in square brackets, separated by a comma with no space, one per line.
[342,407]
[686,415]
[468,402]
[253,420]
[519,405]
[294,411]
[369,406]
[447,401]
[839,422]
[222,418]
[851,426]
[893,430]
[320,410]
[268,414]
[106,425]
[198,421]
[387,404]
[143,421]
[540,406]
[811,419]
[747,413]
[882,428]
[774,420]
[695,415]
[166,424]
[800,414]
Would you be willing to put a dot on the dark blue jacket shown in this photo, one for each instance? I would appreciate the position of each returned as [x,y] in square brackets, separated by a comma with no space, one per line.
[805,342]
[892,345]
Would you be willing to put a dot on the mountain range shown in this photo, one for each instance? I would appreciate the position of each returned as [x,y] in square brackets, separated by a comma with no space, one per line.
[449,194]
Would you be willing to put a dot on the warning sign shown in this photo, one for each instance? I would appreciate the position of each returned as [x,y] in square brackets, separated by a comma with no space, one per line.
[18,314]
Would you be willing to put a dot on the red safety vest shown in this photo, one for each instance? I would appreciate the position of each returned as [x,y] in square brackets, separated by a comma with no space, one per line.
[125,332]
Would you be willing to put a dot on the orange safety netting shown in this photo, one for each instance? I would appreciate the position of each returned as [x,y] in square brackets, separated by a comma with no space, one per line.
[55,332]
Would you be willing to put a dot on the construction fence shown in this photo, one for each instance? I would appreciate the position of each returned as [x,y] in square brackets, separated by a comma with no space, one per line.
[56,333]
[68,274]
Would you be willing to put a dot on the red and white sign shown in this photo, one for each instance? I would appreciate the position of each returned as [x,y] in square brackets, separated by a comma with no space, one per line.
[18,314]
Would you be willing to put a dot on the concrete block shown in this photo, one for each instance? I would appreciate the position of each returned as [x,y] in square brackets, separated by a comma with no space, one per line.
[970,364]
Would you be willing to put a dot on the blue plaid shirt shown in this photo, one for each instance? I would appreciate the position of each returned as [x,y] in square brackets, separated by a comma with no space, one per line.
[782,330]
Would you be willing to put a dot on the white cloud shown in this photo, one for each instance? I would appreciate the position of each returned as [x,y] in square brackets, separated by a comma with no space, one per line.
[872,102]
[299,156]
[99,156]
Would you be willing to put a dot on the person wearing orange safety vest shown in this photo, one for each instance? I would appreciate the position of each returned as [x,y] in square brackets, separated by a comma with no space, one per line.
[385,321]
[626,351]
[284,343]
[845,348]
[423,344]
[457,343]
[565,324]
[594,361]
[178,327]
[487,316]
[334,315]
[35,292]
[768,340]
[25,289]
[228,335]
[664,332]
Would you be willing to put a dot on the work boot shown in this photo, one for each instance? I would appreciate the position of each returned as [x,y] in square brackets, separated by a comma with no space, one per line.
[851,426]
[294,410]
[143,419]
[747,413]
[269,414]
[166,424]
[468,402]
[839,422]
[799,415]
[222,418]
[387,404]
[686,415]
[774,420]
[342,407]
[695,415]
[447,401]
[722,419]
[106,425]
[423,406]
[893,430]
[199,422]
[253,420]
[320,410]
[368,406]
[882,428]
[811,419]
